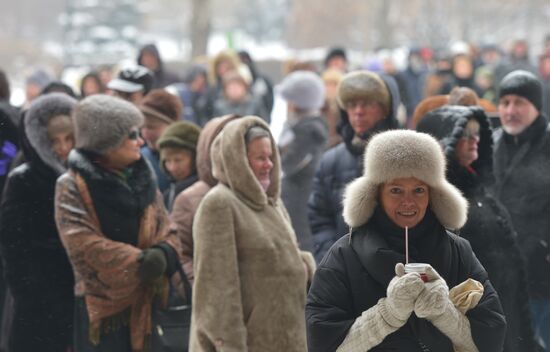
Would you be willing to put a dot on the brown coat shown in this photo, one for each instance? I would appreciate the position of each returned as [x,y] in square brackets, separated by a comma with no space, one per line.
[250,283]
[106,270]
[187,202]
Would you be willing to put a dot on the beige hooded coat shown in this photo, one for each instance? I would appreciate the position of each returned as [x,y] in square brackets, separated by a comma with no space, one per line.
[187,202]
[250,282]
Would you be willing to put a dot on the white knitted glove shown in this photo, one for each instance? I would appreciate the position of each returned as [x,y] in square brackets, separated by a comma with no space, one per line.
[434,304]
[388,315]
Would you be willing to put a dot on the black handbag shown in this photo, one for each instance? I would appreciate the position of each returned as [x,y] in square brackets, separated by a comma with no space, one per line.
[171,325]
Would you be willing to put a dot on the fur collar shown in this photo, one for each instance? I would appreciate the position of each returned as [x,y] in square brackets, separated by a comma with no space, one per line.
[137,190]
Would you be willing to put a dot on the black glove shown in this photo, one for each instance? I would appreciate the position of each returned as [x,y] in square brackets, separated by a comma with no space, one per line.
[153,264]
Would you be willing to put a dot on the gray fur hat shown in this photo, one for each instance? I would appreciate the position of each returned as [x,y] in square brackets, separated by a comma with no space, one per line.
[400,154]
[42,110]
[304,89]
[102,122]
[363,85]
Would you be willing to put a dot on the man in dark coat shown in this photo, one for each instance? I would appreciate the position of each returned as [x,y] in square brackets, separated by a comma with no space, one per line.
[465,136]
[149,57]
[522,166]
[369,103]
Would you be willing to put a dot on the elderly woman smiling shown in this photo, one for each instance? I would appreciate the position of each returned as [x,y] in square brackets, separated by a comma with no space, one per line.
[250,282]
[361,299]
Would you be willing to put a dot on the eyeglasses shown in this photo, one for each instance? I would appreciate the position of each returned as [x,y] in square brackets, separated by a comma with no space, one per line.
[133,135]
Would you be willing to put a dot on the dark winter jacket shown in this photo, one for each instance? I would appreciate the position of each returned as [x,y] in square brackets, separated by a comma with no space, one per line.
[37,269]
[176,188]
[356,272]
[302,144]
[153,158]
[521,167]
[162,77]
[339,166]
[8,143]
[489,228]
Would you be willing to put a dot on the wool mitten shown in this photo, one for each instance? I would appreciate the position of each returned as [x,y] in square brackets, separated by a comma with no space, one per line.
[387,316]
[153,264]
[434,304]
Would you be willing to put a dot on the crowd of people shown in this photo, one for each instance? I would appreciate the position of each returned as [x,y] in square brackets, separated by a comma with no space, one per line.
[291,241]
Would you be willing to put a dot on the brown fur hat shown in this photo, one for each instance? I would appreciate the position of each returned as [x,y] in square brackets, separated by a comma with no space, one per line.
[363,85]
[162,105]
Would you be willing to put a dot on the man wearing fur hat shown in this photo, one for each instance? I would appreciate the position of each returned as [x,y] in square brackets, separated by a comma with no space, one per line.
[522,166]
[368,102]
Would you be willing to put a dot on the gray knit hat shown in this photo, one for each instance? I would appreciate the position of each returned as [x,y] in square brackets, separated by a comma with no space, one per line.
[401,154]
[363,85]
[103,122]
[304,89]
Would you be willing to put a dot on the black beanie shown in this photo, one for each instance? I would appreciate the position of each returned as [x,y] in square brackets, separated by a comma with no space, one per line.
[522,83]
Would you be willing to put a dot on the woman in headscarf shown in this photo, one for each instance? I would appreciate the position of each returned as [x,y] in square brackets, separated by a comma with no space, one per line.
[250,276]
[114,226]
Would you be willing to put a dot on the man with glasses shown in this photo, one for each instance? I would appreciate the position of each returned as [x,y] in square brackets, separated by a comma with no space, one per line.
[522,173]
[368,104]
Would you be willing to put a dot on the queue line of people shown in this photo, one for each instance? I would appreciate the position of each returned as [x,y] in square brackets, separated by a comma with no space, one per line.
[123,249]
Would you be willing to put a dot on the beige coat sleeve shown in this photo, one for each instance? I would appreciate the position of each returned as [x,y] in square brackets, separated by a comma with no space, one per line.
[182,223]
[217,319]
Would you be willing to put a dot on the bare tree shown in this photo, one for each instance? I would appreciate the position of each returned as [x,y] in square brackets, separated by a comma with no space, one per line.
[200,27]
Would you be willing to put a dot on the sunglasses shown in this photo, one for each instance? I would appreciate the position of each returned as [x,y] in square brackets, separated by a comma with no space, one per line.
[133,135]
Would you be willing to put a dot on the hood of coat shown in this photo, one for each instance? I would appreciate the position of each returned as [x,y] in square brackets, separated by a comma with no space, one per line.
[388,123]
[206,138]
[230,163]
[447,125]
[152,49]
[41,111]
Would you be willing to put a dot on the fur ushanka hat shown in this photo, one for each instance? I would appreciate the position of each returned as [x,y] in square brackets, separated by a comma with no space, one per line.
[363,85]
[400,154]
[103,122]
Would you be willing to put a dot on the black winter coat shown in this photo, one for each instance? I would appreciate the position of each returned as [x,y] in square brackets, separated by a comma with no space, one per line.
[339,166]
[488,228]
[356,272]
[37,268]
[522,169]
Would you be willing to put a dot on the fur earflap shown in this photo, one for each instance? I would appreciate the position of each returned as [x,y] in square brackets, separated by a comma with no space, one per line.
[363,85]
[401,154]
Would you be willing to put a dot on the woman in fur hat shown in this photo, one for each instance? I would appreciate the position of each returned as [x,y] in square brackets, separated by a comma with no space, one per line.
[465,136]
[37,270]
[362,299]
[113,224]
[250,276]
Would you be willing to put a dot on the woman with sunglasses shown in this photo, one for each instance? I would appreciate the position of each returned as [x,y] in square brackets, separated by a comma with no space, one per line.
[465,136]
[114,226]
